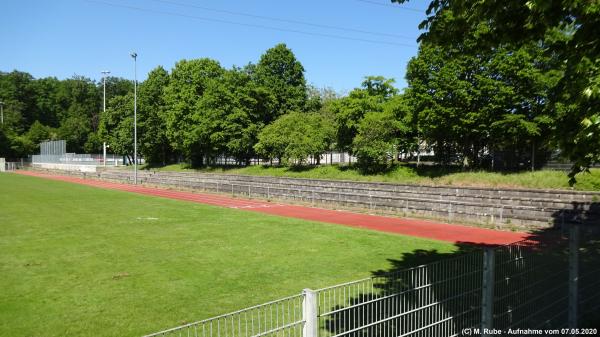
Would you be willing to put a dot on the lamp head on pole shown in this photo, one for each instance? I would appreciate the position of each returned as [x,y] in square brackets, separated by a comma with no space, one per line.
[134,55]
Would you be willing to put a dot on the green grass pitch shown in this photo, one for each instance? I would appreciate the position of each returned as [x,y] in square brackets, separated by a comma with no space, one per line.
[81,261]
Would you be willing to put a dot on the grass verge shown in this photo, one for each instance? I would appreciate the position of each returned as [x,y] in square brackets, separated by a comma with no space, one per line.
[543,179]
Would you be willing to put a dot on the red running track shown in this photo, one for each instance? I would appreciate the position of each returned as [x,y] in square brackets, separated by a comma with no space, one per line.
[412,227]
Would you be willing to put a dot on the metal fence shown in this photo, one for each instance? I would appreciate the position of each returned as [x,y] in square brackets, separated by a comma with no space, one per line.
[283,317]
[11,165]
[509,210]
[437,299]
[78,159]
[55,152]
[325,158]
[529,285]
[53,147]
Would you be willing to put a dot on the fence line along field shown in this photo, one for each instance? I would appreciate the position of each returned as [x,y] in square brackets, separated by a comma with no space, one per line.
[81,261]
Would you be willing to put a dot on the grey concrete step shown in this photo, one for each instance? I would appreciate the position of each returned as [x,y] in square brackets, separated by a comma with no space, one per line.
[506,208]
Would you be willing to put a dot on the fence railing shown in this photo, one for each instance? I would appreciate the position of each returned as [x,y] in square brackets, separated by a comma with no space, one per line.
[545,284]
[283,317]
[11,165]
[78,159]
[504,212]
[325,158]
[438,299]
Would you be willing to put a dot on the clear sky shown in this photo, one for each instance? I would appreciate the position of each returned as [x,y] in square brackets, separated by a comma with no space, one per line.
[338,41]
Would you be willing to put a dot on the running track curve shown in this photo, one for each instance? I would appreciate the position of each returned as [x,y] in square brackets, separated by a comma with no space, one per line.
[412,227]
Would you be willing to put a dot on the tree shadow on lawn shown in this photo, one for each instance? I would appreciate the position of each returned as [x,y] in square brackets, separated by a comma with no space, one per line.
[429,293]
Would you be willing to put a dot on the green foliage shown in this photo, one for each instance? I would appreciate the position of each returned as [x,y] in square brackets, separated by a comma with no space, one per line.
[190,114]
[483,91]
[348,113]
[21,146]
[117,86]
[423,175]
[281,74]
[18,94]
[49,101]
[468,105]
[199,111]
[243,114]
[70,106]
[153,142]
[375,143]
[116,125]
[83,99]
[294,137]
[5,144]
[379,86]
[566,29]
[380,100]
[211,111]
[39,133]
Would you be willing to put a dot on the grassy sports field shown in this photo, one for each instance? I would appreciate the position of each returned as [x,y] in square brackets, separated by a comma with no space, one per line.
[81,261]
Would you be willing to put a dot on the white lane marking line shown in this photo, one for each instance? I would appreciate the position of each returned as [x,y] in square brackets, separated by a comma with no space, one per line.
[256,206]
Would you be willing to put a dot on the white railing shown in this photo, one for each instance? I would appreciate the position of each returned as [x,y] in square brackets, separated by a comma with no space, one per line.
[78,159]
[283,317]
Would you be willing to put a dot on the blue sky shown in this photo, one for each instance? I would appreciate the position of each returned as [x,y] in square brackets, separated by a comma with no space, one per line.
[65,37]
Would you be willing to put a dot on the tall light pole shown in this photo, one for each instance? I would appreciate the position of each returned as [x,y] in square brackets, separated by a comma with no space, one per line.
[134,55]
[104,73]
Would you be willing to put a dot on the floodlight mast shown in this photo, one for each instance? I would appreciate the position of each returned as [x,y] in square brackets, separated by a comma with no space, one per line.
[134,55]
[104,73]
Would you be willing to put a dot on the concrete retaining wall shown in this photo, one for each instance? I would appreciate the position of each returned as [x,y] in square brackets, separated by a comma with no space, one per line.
[501,208]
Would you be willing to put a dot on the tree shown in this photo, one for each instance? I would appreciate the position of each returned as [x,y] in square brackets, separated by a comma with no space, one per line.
[39,133]
[375,142]
[71,106]
[281,74]
[189,127]
[18,94]
[379,86]
[116,125]
[568,29]
[153,142]
[295,137]
[494,101]
[5,144]
[405,127]
[245,114]
[82,115]
[115,86]
[317,98]
[48,102]
[350,110]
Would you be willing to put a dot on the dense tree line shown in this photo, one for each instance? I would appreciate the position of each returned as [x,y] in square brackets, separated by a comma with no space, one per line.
[483,92]
[545,61]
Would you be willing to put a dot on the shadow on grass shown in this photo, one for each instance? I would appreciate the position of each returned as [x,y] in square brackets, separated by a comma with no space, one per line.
[428,293]
[298,168]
